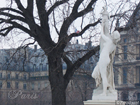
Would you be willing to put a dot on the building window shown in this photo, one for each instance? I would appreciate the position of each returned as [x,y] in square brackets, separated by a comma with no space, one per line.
[125,52]
[8,85]
[0,65]
[124,75]
[125,40]
[0,84]
[25,76]
[25,67]
[138,52]
[17,67]
[125,96]
[138,74]
[8,76]
[45,74]
[45,84]
[39,86]
[47,66]
[116,76]
[24,86]
[16,85]
[117,54]
[16,76]
[32,86]
[0,75]
[34,67]
[41,67]
[138,96]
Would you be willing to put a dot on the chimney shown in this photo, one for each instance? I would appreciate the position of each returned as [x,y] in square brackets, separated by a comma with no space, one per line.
[77,42]
[117,23]
[35,48]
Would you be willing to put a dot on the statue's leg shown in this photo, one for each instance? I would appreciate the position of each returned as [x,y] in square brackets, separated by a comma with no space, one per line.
[103,63]
[104,81]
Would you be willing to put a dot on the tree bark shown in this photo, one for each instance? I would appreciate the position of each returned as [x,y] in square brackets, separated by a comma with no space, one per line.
[56,79]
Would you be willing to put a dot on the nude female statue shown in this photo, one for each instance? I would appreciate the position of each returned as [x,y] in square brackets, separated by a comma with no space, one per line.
[101,70]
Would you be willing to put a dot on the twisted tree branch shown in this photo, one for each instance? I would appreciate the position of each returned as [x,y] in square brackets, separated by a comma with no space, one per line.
[56,4]
[20,6]
[11,9]
[70,71]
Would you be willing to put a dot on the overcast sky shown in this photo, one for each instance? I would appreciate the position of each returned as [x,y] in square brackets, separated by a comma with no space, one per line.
[99,4]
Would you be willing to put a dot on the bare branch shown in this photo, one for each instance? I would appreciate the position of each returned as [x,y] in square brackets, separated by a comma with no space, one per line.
[132,21]
[72,17]
[55,24]
[70,71]
[67,60]
[11,9]
[15,25]
[76,6]
[30,6]
[7,30]
[87,9]
[56,4]
[20,6]
[12,17]
[85,28]
[42,13]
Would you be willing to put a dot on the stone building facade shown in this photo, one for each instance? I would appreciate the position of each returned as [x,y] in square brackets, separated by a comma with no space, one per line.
[127,62]
[24,76]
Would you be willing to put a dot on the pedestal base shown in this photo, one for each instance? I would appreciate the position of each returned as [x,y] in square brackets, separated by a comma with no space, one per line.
[109,96]
[103,102]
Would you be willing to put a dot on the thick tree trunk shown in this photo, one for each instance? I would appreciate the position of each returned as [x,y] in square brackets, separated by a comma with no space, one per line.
[56,79]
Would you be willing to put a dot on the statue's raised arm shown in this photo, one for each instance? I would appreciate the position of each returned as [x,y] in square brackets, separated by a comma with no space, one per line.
[105,21]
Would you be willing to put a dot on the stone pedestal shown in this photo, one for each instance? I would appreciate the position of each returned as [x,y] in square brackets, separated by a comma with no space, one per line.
[110,95]
[104,102]
[100,102]
[99,99]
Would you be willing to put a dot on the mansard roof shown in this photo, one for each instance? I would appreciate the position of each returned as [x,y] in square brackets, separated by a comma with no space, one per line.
[135,16]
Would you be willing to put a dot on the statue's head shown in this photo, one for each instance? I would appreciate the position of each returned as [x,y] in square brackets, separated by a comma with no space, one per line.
[116,36]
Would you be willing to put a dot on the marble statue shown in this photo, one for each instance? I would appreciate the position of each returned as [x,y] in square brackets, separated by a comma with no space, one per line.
[103,71]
